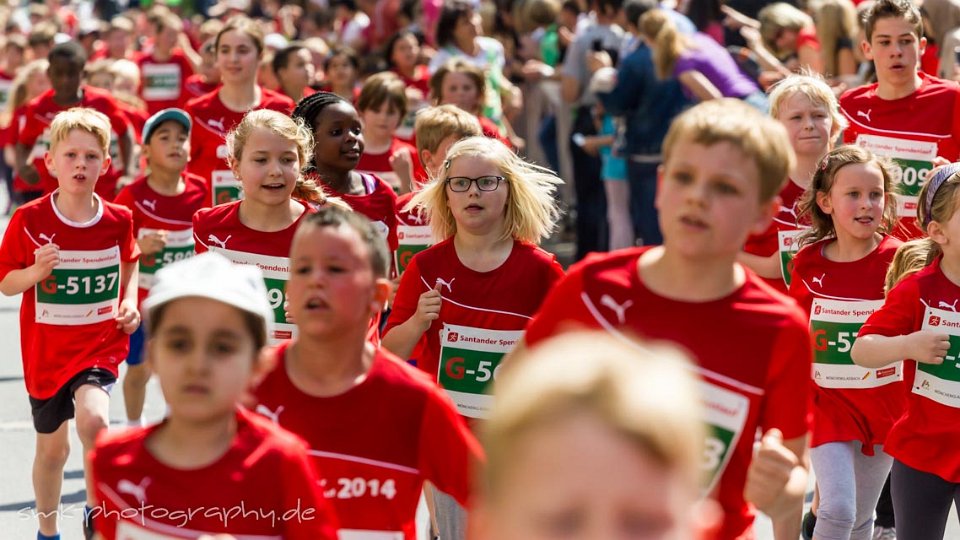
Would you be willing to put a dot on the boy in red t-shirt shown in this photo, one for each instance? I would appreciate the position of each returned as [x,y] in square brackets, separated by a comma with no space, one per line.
[165,70]
[65,71]
[724,164]
[377,427]
[163,203]
[908,116]
[73,256]
[382,105]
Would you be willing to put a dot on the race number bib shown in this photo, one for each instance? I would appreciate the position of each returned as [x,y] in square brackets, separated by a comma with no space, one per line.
[224,186]
[914,161]
[834,325]
[161,82]
[787,246]
[726,416]
[40,147]
[83,289]
[941,383]
[5,92]
[179,246]
[412,240]
[276,272]
[469,360]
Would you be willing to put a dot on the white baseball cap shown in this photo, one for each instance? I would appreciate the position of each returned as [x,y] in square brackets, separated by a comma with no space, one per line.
[211,275]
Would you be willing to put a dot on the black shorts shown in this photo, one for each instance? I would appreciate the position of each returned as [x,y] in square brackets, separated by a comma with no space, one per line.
[50,413]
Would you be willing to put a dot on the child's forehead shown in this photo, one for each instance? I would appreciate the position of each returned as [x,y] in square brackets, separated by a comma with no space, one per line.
[262,139]
[80,137]
[338,112]
[61,64]
[892,27]
[169,125]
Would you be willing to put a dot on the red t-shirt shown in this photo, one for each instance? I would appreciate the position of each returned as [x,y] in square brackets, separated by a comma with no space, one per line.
[378,204]
[912,131]
[375,444]
[420,81]
[772,241]
[67,320]
[850,403]
[195,86]
[923,438]
[208,139]
[136,116]
[490,129]
[220,229]
[163,83]
[379,164]
[485,305]
[13,131]
[154,212]
[752,348]
[262,487]
[35,134]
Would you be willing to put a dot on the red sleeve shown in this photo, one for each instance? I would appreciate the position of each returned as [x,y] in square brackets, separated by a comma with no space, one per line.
[562,305]
[32,129]
[125,198]
[807,37]
[787,397]
[118,120]
[798,290]
[451,452]
[301,491]
[898,316]
[407,297]
[129,249]
[13,252]
[198,245]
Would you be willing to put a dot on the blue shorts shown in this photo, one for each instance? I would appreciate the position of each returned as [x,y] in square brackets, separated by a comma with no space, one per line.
[137,341]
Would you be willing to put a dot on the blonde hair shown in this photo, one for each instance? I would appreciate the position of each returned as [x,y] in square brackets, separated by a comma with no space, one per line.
[532,210]
[18,89]
[941,208]
[646,394]
[291,129]
[93,122]
[126,69]
[817,90]
[910,258]
[657,26]
[835,20]
[822,225]
[434,124]
[761,138]
[777,17]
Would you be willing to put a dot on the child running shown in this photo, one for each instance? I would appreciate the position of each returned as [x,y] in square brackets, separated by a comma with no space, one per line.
[723,165]
[210,467]
[918,324]
[239,48]
[838,278]
[73,256]
[377,427]
[627,416]
[338,144]
[267,151]
[163,203]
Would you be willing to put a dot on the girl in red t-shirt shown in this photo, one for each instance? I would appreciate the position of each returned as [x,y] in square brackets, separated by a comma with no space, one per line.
[918,323]
[460,83]
[208,323]
[838,278]
[402,54]
[30,82]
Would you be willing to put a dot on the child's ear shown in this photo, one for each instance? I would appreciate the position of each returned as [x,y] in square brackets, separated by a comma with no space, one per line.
[48,161]
[923,45]
[382,288]
[935,232]
[823,201]
[106,165]
[866,49]
[767,211]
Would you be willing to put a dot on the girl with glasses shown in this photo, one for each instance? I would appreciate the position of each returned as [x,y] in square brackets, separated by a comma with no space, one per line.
[463,303]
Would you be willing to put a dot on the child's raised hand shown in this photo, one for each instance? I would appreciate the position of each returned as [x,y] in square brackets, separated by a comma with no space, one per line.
[153,243]
[46,257]
[402,165]
[428,307]
[927,346]
[128,317]
[769,471]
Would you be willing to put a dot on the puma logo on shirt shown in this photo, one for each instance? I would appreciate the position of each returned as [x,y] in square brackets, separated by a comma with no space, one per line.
[222,243]
[620,309]
[152,205]
[216,123]
[137,490]
[272,415]
[447,284]
[865,114]
[952,307]
[49,239]
[819,280]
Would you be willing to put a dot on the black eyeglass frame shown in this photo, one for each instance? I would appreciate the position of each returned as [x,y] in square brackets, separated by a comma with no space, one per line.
[500,179]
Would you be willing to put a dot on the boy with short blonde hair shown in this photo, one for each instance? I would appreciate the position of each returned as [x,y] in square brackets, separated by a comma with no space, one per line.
[73,257]
[724,163]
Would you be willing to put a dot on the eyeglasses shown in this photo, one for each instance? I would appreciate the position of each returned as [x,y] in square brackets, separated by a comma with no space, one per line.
[460,184]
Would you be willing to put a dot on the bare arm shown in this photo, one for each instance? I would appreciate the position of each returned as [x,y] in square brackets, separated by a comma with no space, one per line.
[925,346]
[767,267]
[401,339]
[569,89]
[18,281]
[777,480]
[25,170]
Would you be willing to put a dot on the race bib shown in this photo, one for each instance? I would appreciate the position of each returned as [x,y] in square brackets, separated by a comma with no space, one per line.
[276,272]
[161,82]
[787,246]
[412,240]
[180,245]
[469,360]
[914,161]
[726,416]
[941,383]
[834,325]
[83,289]
[40,147]
[225,187]
[5,92]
